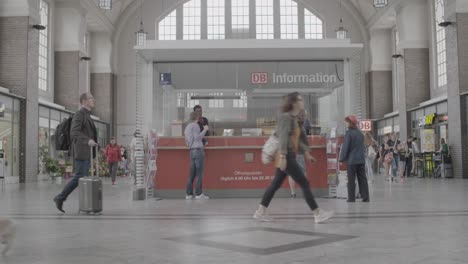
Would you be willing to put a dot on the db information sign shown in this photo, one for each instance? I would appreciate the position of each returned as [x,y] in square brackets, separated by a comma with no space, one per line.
[259,78]
[366,125]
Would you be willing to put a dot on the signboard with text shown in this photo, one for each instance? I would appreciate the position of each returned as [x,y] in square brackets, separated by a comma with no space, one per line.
[165,79]
[366,125]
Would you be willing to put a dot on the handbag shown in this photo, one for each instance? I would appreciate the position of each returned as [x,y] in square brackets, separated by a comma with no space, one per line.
[270,148]
[388,157]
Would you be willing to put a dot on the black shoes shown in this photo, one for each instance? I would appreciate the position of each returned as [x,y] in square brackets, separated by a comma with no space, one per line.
[353,201]
[59,204]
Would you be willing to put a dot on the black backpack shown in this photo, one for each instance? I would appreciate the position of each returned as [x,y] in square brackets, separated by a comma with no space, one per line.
[62,134]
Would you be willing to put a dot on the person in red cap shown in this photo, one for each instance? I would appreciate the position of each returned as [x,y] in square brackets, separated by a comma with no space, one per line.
[353,153]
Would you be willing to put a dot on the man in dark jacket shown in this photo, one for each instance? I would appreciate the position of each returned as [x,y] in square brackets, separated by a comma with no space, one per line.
[83,135]
[353,152]
[202,121]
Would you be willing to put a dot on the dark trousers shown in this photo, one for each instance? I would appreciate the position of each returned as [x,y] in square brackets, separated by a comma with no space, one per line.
[409,166]
[359,171]
[294,170]
[81,170]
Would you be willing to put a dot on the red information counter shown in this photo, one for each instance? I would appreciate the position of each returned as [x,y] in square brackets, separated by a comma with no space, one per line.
[233,168]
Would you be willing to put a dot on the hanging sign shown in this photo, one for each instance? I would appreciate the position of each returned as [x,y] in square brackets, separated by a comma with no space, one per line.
[366,125]
[165,79]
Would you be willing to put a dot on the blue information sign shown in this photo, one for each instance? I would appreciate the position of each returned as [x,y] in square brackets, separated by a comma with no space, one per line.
[165,79]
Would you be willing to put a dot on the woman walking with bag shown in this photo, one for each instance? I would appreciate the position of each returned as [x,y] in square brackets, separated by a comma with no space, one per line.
[371,155]
[114,156]
[292,140]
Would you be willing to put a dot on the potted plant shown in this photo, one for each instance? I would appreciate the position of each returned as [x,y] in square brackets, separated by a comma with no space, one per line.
[43,157]
[53,169]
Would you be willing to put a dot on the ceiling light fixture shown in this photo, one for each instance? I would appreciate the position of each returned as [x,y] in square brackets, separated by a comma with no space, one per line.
[141,35]
[380,3]
[445,24]
[39,27]
[105,4]
[341,32]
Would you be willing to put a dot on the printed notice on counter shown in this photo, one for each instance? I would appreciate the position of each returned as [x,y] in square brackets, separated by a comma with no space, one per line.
[247,176]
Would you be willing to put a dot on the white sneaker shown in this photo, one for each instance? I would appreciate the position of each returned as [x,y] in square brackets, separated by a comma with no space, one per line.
[202,197]
[262,217]
[188,197]
[323,216]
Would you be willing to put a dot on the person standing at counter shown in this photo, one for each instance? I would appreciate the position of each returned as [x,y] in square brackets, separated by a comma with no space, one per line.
[202,121]
[291,142]
[353,153]
[194,140]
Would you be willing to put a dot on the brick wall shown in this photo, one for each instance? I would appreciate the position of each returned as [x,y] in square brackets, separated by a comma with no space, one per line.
[416,88]
[13,53]
[102,87]
[417,82]
[67,91]
[380,93]
[19,48]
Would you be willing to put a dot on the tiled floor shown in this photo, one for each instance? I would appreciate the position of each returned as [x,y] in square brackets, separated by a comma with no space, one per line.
[418,221]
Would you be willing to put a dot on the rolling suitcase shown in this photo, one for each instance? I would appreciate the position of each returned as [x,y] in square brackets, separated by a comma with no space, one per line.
[90,190]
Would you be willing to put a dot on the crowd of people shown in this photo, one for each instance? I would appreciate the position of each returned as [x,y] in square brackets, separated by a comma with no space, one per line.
[359,151]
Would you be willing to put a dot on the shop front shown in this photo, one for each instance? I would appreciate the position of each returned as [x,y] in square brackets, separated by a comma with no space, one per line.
[9,136]
[50,116]
[386,126]
[430,124]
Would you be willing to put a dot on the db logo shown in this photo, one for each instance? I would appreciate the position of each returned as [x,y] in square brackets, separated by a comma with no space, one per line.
[259,78]
[366,125]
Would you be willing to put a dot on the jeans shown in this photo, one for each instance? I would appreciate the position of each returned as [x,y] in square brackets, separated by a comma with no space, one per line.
[301,162]
[113,167]
[124,168]
[294,170]
[81,169]
[197,166]
[369,168]
[357,170]
[395,164]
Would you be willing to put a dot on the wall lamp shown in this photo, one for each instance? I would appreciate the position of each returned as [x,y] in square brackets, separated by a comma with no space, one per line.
[445,24]
[39,27]
[85,58]
[396,56]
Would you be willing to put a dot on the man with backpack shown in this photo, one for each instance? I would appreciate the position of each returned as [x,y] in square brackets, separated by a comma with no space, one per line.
[82,135]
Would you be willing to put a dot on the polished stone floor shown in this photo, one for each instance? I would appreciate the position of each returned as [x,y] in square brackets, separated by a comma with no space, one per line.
[418,221]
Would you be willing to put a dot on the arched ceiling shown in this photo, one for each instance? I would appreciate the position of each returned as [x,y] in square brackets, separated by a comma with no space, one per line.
[97,16]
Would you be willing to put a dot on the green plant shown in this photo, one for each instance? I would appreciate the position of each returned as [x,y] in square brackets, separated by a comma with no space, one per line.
[52,166]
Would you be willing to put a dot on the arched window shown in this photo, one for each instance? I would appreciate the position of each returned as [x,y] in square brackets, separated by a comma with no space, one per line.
[44,47]
[313,26]
[440,44]
[285,19]
[168,27]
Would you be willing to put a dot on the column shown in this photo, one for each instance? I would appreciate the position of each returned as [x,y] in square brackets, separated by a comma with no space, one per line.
[71,70]
[457,62]
[414,87]
[102,78]
[380,76]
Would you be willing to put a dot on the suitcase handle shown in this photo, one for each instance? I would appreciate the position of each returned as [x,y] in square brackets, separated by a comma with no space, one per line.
[96,170]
